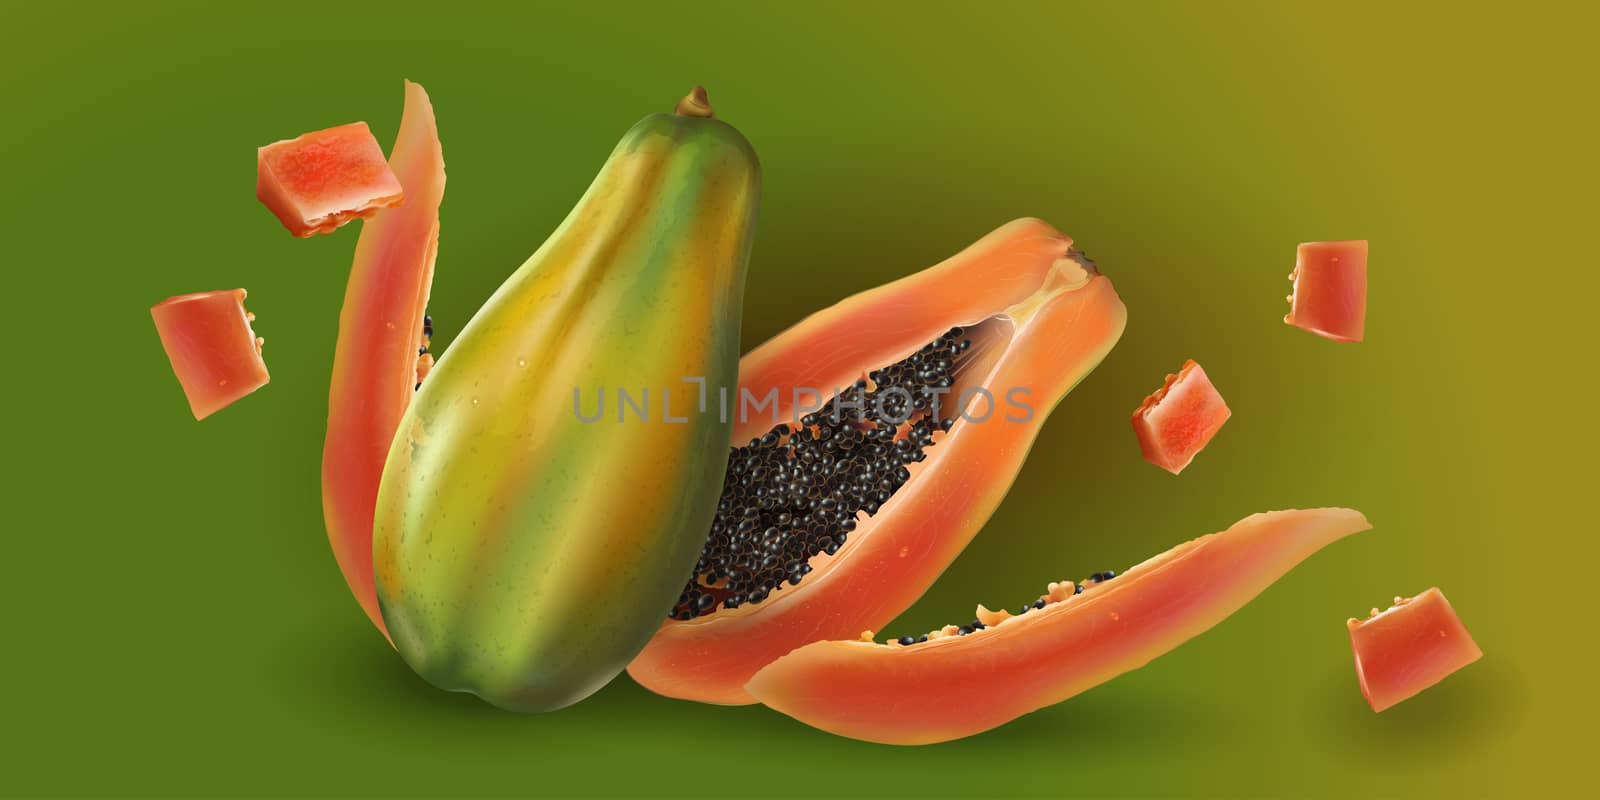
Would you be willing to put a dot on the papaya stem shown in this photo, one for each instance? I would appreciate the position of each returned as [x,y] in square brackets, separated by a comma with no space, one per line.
[694,104]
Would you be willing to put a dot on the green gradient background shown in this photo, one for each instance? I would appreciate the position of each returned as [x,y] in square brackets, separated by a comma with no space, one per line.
[174,622]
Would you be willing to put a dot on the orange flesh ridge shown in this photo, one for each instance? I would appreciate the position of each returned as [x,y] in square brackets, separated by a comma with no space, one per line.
[375,361]
[957,686]
[1058,334]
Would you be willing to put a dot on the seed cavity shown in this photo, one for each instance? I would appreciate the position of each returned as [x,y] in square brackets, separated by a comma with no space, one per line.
[800,489]
[425,359]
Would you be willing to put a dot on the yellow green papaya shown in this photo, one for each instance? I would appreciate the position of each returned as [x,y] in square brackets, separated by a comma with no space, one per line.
[555,476]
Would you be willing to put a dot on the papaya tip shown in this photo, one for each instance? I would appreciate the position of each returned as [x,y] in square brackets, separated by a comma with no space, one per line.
[694,104]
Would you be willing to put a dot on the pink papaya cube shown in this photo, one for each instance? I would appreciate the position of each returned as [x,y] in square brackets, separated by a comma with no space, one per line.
[1330,290]
[1179,419]
[319,181]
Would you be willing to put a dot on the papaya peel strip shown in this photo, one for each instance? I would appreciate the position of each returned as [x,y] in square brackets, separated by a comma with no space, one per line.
[956,686]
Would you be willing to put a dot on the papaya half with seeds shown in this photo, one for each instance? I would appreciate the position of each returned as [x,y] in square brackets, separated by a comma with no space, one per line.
[524,547]
[381,327]
[961,681]
[833,520]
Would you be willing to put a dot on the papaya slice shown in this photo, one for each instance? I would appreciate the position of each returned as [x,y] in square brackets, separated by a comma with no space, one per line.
[961,681]
[318,181]
[376,363]
[1178,420]
[1004,329]
[1330,290]
[214,352]
[1413,645]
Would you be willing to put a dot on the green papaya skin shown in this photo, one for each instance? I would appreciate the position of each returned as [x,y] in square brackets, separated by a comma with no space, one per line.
[525,550]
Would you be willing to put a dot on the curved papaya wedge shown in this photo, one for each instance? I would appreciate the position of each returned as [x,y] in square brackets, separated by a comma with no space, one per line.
[967,681]
[375,363]
[1043,318]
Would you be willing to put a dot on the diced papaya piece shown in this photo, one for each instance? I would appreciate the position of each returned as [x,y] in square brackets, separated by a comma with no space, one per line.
[318,181]
[213,350]
[1179,419]
[1330,290]
[962,680]
[1415,644]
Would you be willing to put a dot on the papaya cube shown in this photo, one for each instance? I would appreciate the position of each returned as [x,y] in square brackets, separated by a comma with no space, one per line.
[1179,419]
[1330,290]
[319,181]
[213,350]
[1413,645]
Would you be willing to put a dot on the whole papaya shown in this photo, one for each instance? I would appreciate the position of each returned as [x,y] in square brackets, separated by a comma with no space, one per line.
[555,477]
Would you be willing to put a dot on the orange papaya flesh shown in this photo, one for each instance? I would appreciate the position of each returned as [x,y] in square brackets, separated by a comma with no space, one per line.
[378,361]
[1178,420]
[212,347]
[1076,636]
[1039,317]
[1330,290]
[1413,645]
[321,180]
